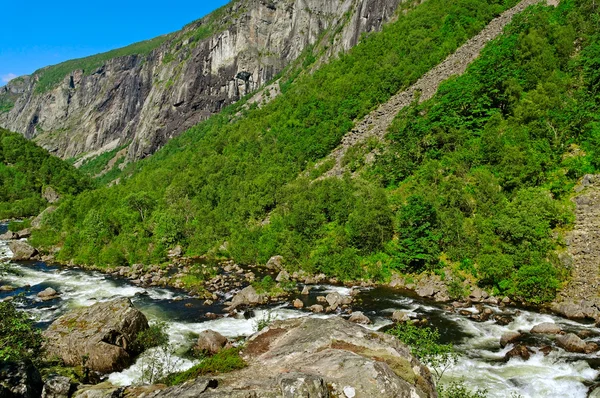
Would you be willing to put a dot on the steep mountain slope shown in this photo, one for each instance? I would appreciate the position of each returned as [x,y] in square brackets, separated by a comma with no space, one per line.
[147,93]
[217,182]
[26,170]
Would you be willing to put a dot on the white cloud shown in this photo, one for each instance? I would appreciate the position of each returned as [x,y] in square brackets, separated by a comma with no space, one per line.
[9,77]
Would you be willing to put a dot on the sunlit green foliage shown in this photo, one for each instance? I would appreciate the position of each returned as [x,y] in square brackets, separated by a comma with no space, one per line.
[19,339]
[25,169]
[225,361]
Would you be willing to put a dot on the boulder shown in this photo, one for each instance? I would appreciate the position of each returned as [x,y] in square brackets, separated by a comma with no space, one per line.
[177,251]
[246,297]
[571,343]
[275,263]
[50,194]
[210,342]
[305,290]
[359,317]
[591,347]
[104,333]
[298,304]
[37,222]
[22,251]
[20,380]
[317,308]
[9,235]
[520,351]
[334,300]
[546,328]
[311,357]
[400,316]
[283,276]
[48,294]
[6,288]
[24,233]
[509,338]
[102,390]
[57,387]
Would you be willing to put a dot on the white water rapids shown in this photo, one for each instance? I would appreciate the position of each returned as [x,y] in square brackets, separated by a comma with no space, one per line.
[558,374]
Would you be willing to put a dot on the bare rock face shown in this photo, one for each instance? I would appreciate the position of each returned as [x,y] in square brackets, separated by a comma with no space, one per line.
[50,194]
[317,358]
[148,99]
[22,251]
[211,342]
[20,380]
[105,332]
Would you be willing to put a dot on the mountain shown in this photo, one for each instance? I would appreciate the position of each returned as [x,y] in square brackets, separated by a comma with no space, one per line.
[139,97]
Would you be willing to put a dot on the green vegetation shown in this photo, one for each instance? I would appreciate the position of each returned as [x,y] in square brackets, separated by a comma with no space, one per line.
[225,361]
[25,169]
[19,339]
[6,104]
[98,164]
[221,179]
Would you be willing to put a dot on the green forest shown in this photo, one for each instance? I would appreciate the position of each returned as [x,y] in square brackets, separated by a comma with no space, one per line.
[25,169]
[476,179]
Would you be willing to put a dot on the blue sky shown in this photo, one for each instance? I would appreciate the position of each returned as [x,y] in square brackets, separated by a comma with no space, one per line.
[43,33]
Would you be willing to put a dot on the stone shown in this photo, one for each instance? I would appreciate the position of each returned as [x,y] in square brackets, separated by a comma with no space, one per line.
[105,333]
[210,342]
[177,251]
[425,291]
[519,351]
[321,299]
[546,328]
[400,316]
[298,304]
[283,276]
[6,288]
[246,297]
[305,290]
[24,233]
[295,385]
[571,343]
[48,294]
[20,380]
[275,263]
[102,390]
[591,347]
[50,194]
[503,319]
[317,308]
[22,251]
[57,387]
[359,317]
[9,235]
[509,338]
[334,300]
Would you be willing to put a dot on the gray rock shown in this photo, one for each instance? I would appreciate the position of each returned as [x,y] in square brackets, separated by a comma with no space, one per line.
[298,304]
[317,308]
[520,351]
[102,390]
[283,276]
[210,342]
[546,328]
[334,300]
[48,294]
[359,317]
[400,316]
[275,263]
[57,387]
[20,380]
[105,332]
[22,251]
[306,290]
[509,338]
[177,251]
[50,194]
[9,235]
[296,385]
[571,342]
[425,291]
[24,233]
[246,297]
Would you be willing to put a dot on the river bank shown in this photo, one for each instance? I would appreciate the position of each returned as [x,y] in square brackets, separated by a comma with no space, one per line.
[484,363]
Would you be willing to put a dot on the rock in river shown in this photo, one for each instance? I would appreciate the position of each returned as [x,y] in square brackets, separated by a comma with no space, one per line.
[105,332]
[309,357]
[210,342]
[22,251]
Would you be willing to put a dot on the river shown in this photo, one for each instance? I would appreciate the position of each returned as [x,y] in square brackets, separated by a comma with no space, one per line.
[559,374]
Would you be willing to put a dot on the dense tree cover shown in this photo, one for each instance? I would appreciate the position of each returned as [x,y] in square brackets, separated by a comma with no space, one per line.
[220,180]
[484,171]
[25,169]
[19,339]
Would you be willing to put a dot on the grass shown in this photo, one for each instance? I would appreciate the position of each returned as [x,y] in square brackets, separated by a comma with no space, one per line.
[225,361]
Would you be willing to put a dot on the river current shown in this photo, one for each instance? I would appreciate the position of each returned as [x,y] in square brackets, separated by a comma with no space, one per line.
[481,365]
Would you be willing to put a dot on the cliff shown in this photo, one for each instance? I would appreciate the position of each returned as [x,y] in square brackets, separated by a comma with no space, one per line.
[152,91]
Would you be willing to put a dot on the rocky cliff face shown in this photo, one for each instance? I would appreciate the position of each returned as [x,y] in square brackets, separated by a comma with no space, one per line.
[144,100]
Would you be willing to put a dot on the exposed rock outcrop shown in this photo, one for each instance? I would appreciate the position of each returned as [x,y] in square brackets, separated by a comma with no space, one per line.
[104,333]
[147,99]
[310,357]
[20,380]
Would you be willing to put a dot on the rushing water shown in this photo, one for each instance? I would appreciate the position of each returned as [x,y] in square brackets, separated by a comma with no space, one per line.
[559,374]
